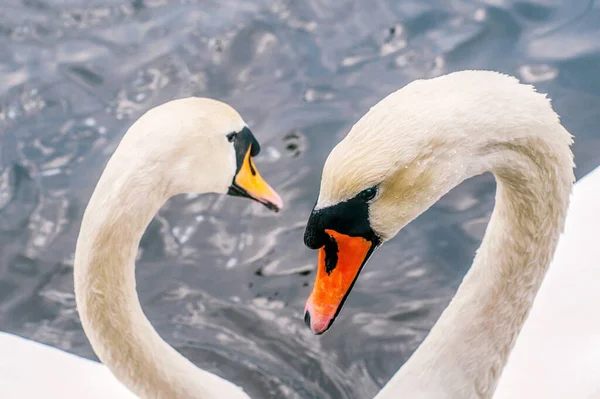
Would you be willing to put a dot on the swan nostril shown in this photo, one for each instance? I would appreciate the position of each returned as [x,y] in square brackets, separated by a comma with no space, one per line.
[307,318]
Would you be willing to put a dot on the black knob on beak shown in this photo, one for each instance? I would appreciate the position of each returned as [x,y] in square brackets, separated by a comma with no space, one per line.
[314,235]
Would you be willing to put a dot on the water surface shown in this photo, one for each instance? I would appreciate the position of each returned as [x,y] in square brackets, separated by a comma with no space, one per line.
[222,279]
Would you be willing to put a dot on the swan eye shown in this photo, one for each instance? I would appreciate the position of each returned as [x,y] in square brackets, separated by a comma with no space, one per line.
[231,137]
[368,194]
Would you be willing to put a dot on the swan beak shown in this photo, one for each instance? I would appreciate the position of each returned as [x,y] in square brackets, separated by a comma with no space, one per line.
[248,183]
[340,262]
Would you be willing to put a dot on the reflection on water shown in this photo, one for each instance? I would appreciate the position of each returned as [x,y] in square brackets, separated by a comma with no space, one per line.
[222,279]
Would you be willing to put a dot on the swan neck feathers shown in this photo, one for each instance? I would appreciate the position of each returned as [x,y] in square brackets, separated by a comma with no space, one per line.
[415,146]
[177,147]
[438,125]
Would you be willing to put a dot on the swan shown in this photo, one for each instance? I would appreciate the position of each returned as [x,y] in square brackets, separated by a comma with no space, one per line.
[29,370]
[557,353]
[186,145]
[402,156]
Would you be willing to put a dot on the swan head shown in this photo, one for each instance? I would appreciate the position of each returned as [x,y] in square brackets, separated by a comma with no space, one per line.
[368,193]
[402,156]
[198,145]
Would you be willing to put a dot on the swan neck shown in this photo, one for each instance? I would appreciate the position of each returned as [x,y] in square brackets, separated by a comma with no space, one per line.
[466,350]
[121,207]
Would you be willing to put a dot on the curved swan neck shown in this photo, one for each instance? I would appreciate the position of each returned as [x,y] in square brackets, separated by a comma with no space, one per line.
[126,198]
[466,350]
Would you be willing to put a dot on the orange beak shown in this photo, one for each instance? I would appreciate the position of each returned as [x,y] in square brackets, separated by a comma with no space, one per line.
[248,183]
[339,264]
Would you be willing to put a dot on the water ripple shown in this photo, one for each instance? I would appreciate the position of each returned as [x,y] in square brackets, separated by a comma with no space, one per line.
[223,279]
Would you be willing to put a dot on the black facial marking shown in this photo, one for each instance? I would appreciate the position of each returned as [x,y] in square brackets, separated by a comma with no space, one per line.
[244,139]
[331,255]
[252,170]
[349,217]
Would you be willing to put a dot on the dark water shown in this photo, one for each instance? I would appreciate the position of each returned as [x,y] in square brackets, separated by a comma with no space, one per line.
[222,279]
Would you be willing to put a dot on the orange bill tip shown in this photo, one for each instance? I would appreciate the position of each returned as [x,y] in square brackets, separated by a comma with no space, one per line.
[339,264]
[250,181]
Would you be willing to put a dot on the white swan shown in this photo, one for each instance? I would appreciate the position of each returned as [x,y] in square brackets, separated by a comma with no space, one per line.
[30,370]
[557,353]
[400,158]
[187,145]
